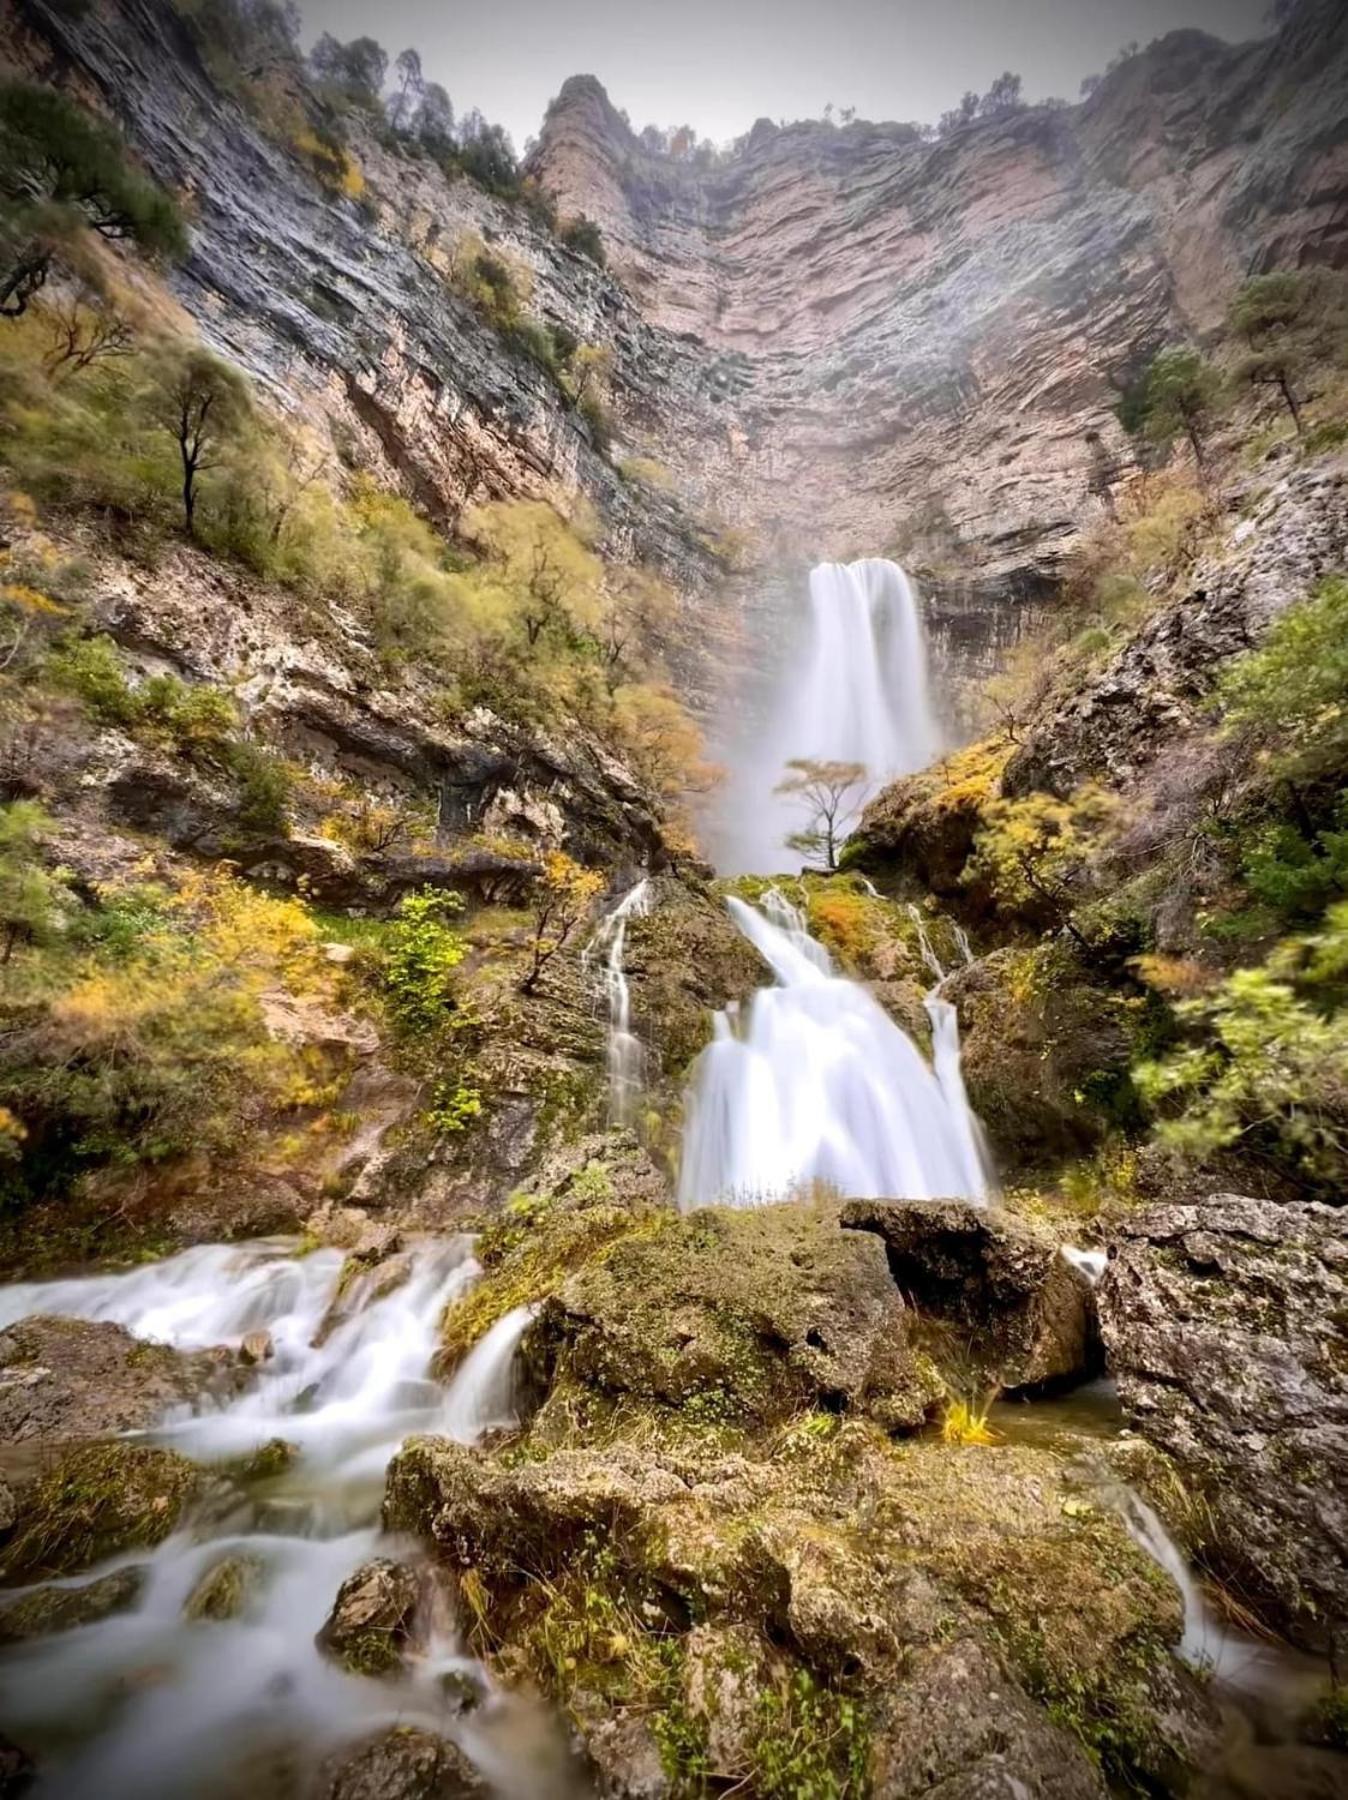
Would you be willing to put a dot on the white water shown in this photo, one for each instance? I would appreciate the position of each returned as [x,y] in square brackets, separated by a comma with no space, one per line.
[176,1700]
[626,1058]
[818,1084]
[857,691]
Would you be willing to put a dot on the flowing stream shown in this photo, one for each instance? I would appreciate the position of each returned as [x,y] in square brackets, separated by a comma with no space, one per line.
[151,1703]
[816,1083]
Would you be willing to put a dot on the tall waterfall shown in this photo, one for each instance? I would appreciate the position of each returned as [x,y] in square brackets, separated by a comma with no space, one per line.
[626,1059]
[817,1083]
[857,691]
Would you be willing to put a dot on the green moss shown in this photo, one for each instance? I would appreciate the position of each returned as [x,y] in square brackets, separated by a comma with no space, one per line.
[373,1653]
[224,1589]
[96,1501]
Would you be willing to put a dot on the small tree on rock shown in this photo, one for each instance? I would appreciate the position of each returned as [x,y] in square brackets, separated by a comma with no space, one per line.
[1286,320]
[33,899]
[831,794]
[563,894]
[1175,398]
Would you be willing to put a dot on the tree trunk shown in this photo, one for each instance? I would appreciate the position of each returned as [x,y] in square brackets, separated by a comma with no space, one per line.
[190,497]
[1291,399]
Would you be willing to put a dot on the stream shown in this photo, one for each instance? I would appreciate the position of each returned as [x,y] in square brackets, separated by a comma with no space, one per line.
[811,1082]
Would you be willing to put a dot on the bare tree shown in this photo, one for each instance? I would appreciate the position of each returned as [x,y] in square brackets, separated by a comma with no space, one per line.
[202,402]
[831,793]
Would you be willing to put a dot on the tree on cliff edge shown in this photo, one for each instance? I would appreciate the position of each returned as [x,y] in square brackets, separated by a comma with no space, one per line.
[1175,398]
[831,794]
[202,403]
[63,173]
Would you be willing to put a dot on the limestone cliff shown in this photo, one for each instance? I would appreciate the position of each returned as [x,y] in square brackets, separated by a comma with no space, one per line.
[919,343]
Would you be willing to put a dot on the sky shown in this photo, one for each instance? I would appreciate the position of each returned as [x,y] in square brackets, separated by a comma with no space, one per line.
[720,64]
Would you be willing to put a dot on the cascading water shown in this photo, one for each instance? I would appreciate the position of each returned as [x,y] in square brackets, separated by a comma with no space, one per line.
[171,1702]
[818,1084]
[626,1059]
[857,692]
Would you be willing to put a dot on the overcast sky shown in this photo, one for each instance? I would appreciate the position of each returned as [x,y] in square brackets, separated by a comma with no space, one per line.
[720,64]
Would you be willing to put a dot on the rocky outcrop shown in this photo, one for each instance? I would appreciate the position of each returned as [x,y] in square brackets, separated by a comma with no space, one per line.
[63,1380]
[751,1314]
[1024,1314]
[1223,1328]
[1155,691]
[94,1502]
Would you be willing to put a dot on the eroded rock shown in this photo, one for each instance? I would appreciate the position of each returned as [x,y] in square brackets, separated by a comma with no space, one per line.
[744,1314]
[1024,1314]
[1223,1326]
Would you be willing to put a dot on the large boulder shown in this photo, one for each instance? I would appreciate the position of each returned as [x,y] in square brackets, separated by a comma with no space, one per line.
[745,1314]
[1223,1325]
[64,1380]
[400,1763]
[1024,1315]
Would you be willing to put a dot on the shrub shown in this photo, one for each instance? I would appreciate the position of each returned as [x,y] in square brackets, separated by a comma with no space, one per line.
[421,952]
[584,236]
[35,903]
[1291,694]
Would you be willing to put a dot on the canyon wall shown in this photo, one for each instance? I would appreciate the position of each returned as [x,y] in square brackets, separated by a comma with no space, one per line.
[918,344]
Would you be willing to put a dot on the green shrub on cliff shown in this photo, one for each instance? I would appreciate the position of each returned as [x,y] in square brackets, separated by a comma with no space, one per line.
[1291,694]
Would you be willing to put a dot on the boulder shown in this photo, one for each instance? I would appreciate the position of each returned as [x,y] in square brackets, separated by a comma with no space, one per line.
[402,1763]
[1223,1325]
[959,1726]
[93,1502]
[18,1771]
[64,1380]
[51,1609]
[739,1314]
[224,1589]
[373,1618]
[1024,1315]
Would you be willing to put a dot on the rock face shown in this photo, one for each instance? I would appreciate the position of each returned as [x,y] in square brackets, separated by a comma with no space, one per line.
[1223,1326]
[1025,1314]
[937,331]
[62,1380]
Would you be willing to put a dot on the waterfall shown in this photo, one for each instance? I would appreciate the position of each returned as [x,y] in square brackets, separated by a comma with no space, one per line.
[945,1041]
[817,1083]
[481,1397]
[857,691]
[626,1059]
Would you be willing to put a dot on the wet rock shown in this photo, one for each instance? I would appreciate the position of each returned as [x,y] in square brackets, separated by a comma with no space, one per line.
[1024,1315]
[67,1379]
[92,1503]
[263,1464]
[9,1508]
[51,1609]
[18,1771]
[1223,1328]
[257,1347]
[960,1726]
[748,1314]
[624,1754]
[374,1618]
[224,1590]
[726,1672]
[403,1763]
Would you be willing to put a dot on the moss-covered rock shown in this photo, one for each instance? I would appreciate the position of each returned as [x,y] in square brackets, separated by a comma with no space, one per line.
[400,1763]
[918,833]
[374,1618]
[685,960]
[842,1555]
[225,1589]
[582,1201]
[738,1316]
[50,1609]
[94,1502]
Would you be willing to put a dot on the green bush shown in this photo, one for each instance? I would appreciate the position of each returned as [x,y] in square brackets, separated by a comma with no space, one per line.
[1291,694]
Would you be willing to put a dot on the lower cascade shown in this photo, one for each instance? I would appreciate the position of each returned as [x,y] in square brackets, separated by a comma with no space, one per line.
[816,1083]
[625,1056]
